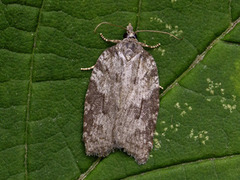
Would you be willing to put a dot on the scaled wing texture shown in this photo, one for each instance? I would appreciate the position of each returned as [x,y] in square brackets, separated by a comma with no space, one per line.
[122,102]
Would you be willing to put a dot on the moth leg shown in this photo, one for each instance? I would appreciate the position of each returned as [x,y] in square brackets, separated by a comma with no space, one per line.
[161,87]
[109,40]
[148,46]
[86,69]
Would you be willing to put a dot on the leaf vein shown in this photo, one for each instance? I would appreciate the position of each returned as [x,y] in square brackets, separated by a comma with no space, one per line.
[30,92]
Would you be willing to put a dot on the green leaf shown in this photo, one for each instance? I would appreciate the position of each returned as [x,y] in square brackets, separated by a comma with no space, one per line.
[43,45]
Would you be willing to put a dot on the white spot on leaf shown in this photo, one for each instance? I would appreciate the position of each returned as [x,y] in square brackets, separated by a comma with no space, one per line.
[201,136]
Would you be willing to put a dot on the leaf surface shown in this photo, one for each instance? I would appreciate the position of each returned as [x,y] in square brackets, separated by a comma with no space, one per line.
[43,45]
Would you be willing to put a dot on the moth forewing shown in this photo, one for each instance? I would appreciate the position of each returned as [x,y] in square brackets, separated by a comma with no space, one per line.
[122,100]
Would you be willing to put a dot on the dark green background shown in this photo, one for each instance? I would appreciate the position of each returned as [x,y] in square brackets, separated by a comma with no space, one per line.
[43,45]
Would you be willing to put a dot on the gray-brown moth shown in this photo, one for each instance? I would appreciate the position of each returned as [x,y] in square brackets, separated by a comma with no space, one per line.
[122,100]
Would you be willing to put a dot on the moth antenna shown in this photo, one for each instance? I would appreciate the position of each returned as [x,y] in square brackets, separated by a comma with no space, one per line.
[163,32]
[109,24]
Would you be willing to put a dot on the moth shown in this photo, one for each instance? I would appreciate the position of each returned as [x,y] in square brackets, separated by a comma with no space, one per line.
[122,100]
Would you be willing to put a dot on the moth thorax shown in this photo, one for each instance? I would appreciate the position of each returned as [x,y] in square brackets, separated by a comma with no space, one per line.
[130,50]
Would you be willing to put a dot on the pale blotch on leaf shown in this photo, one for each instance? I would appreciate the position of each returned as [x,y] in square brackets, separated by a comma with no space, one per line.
[228,104]
[156,19]
[234,97]
[163,122]
[157,144]
[172,128]
[189,107]
[174,29]
[177,105]
[168,26]
[217,85]
[173,1]
[223,99]
[183,113]
[222,91]
[161,50]
[176,32]
[177,125]
[191,133]
[212,86]
[186,107]
[230,107]
[201,136]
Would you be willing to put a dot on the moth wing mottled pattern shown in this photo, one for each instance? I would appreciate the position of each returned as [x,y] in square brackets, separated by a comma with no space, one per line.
[139,104]
[98,121]
[122,102]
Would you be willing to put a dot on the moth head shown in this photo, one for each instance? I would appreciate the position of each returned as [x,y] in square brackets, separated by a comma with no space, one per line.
[130,33]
